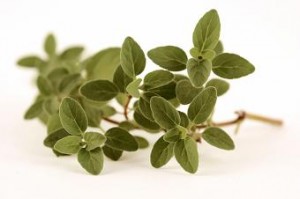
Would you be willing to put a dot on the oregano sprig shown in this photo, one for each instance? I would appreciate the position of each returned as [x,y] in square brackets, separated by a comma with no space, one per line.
[75,95]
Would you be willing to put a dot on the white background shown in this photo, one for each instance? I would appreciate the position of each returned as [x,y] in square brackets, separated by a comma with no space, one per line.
[266,162]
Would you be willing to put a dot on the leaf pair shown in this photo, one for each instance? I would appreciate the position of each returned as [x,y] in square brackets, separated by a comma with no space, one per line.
[185,150]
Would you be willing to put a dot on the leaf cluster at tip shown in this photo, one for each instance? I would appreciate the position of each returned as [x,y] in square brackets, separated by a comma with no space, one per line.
[77,93]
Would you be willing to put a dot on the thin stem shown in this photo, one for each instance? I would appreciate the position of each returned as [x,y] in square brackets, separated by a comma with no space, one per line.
[126,107]
[242,115]
[111,120]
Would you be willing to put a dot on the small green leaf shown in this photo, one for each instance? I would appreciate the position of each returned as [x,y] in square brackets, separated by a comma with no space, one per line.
[208,54]
[144,106]
[167,91]
[112,153]
[145,123]
[231,66]
[122,99]
[184,120]
[186,92]
[69,82]
[219,48]
[218,138]
[202,105]
[157,78]
[34,110]
[133,88]
[30,61]
[52,138]
[99,90]
[121,79]
[53,124]
[51,105]
[179,77]
[50,45]
[107,111]
[91,161]
[44,86]
[207,31]
[71,53]
[127,125]
[93,140]
[172,135]
[142,142]
[56,75]
[120,139]
[164,113]
[161,153]
[169,57]
[221,85]
[186,154]
[198,71]
[72,116]
[133,59]
[103,64]
[68,145]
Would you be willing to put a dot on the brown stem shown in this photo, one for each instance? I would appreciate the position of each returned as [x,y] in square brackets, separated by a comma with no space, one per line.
[126,107]
[111,120]
[241,116]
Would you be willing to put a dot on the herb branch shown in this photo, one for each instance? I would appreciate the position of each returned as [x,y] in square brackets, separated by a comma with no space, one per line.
[76,94]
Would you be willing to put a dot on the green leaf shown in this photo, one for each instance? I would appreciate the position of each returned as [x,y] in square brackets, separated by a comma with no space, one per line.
[186,92]
[69,82]
[133,88]
[186,154]
[107,111]
[198,71]
[68,145]
[175,134]
[219,48]
[218,138]
[52,138]
[72,116]
[53,124]
[202,105]
[94,116]
[142,142]
[120,139]
[144,106]
[133,59]
[71,53]
[44,86]
[112,153]
[208,54]
[91,161]
[51,105]
[56,75]
[145,123]
[103,64]
[157,78]
[122,99]
[164,113]
[93,140]
[34,110]
[166,91]
[161,153]
[231,66]
[30,61]
[50,45]
[121,79]
[221,85]
[99,90]
[127,125]
[179,77]
[184,120]
[169,57]
[207,31]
